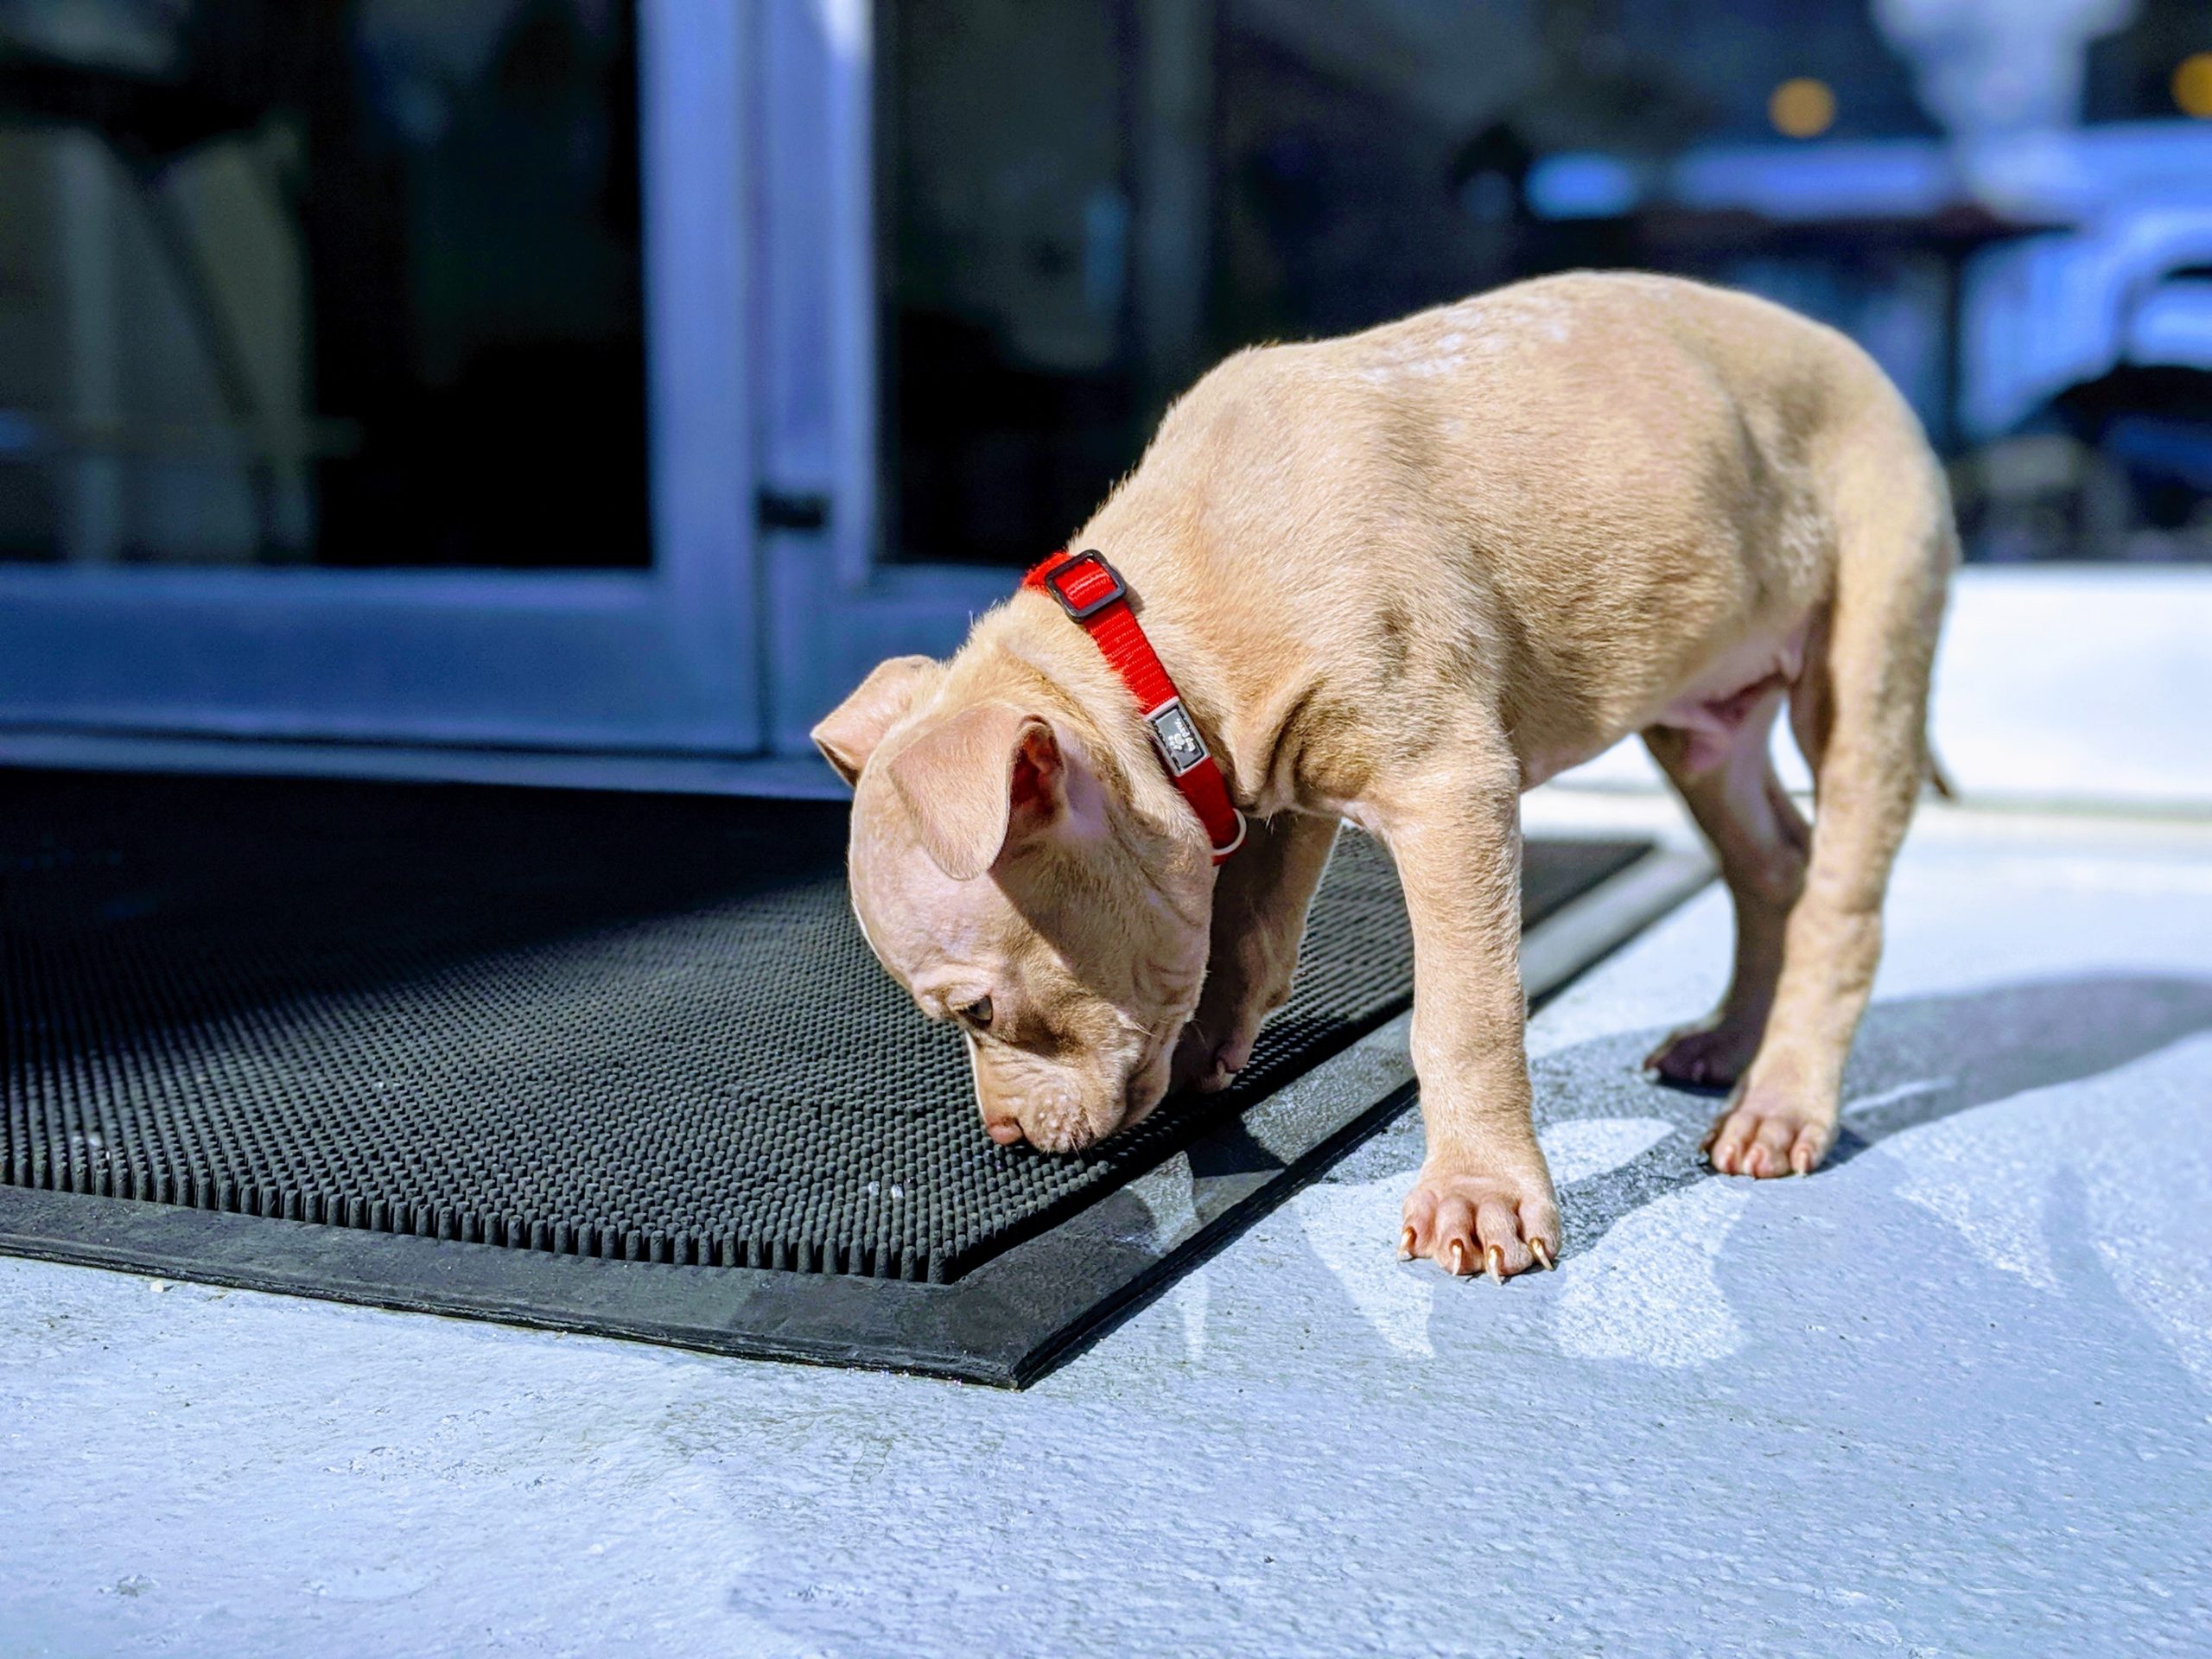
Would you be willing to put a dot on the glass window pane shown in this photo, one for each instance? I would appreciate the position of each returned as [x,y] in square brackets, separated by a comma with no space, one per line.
[338,284]
[1082,206]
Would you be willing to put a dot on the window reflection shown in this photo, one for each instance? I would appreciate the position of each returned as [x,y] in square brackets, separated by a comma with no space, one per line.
[340,285]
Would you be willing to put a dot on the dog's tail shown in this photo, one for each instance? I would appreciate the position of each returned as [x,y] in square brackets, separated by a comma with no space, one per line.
[1896,545]
[1938,779]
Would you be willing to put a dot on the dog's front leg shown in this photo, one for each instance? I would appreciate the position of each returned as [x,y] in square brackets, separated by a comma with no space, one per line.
[1260,902]
[1484,1197]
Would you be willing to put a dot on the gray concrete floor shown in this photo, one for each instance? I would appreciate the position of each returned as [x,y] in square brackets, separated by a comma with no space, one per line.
[1951,1396]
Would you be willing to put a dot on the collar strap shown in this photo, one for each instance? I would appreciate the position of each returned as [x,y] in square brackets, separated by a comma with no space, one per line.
[1092,592]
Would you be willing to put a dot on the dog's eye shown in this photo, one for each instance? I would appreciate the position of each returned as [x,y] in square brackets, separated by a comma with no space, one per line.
[977,1013]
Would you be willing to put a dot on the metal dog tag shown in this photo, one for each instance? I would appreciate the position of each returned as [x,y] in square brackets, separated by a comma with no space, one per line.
[1180,746]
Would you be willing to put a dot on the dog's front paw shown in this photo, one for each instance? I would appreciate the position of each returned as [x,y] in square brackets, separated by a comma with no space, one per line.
[1470,1215]
[1768,1131]
[1208,1063]
[1217,1042]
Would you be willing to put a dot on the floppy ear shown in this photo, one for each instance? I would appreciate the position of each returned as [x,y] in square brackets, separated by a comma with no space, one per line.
[850,732]
[980,781]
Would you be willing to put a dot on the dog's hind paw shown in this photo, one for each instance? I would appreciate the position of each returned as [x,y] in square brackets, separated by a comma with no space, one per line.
[1711,1054]
[1761,1136]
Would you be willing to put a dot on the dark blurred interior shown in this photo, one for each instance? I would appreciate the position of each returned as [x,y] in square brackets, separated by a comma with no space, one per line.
[1083,205]
[359,281]
[288,279]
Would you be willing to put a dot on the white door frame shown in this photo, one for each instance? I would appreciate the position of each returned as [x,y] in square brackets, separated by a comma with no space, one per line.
[833,609]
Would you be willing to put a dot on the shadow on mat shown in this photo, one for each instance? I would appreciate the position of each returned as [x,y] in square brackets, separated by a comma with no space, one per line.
[1916,1060]
[161,903]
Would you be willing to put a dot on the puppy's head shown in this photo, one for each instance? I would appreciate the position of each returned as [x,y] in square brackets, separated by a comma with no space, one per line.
[1001,874]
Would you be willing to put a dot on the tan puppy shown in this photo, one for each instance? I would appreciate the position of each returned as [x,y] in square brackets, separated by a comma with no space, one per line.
[1400,577]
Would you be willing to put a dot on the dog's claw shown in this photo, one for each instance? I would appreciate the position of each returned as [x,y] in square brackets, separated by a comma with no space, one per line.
[1406,1246]
[1538,1248]
[1479,1223]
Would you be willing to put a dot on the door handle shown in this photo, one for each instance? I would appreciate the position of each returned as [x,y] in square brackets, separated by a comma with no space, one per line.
[792,510]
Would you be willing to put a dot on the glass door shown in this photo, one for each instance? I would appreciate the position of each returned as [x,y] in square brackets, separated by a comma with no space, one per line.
[990,247]
[383,371]
[838,597]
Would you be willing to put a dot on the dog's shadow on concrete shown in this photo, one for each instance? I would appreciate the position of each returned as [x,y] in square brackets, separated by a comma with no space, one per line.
[1917,1059]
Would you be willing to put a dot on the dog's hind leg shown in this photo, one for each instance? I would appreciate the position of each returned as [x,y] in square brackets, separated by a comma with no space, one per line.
[1859,711]
[1761,842]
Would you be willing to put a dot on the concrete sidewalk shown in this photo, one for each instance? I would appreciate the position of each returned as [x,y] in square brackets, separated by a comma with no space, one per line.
[1951,1396]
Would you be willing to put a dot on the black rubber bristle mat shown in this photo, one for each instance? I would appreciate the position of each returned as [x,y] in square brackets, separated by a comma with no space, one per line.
[626,1026]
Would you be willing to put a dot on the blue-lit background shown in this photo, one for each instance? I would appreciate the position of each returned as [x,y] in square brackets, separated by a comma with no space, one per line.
[2008,201]
[634,374]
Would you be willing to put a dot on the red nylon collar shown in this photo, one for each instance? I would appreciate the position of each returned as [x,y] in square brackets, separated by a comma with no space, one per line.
[1092,592]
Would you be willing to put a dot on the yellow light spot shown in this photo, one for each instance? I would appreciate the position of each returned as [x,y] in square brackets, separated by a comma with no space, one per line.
[2193,86]
[1802,108]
